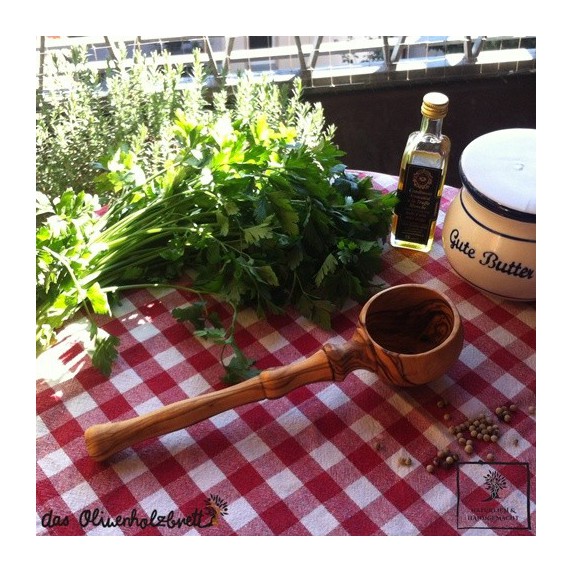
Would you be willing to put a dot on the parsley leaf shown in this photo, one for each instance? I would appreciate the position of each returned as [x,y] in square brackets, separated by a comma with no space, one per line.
[104,351]
[253,204]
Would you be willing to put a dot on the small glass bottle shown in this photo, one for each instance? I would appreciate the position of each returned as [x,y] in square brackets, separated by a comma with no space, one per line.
[422,177]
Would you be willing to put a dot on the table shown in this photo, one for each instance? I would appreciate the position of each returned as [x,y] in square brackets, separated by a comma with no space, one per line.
[328,459]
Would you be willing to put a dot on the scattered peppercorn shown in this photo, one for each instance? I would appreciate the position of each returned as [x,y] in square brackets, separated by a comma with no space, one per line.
[504,412]
[481,427]
[443,459]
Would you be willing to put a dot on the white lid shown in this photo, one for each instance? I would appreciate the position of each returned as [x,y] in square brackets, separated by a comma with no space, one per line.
[501,167]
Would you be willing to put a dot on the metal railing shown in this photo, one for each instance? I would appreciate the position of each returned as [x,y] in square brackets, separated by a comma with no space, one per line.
[322,62]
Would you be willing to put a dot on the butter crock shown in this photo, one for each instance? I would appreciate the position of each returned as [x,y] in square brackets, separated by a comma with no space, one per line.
[489,233]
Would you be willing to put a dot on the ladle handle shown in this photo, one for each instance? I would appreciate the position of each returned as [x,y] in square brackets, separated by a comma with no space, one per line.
[104,440]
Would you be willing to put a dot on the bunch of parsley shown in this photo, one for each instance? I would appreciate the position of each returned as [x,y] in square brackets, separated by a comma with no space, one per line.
[255,207]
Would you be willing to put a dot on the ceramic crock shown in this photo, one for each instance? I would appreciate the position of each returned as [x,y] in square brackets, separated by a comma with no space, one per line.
[488,233]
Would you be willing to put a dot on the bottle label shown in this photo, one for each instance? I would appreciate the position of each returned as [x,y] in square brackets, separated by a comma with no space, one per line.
[418,204]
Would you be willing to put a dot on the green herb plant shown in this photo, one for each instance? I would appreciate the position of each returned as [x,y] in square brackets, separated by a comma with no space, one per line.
[252,207]
[85,114]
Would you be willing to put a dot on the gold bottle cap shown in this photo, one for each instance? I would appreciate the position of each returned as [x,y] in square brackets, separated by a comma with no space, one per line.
[435,105]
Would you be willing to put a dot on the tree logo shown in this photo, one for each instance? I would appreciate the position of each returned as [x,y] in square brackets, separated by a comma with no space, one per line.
[494,483]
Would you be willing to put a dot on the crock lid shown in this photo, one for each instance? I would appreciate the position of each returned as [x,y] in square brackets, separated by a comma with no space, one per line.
[499,170]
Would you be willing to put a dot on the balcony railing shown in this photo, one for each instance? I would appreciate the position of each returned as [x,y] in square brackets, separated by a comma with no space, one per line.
[322,62]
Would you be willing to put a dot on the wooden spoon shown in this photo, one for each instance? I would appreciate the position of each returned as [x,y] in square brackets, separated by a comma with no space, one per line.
[407,334]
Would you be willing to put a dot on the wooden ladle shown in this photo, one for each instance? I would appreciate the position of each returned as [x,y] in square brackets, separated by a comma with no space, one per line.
[407,334]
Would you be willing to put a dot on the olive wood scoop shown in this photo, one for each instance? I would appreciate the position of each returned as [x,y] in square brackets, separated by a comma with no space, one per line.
[407,334]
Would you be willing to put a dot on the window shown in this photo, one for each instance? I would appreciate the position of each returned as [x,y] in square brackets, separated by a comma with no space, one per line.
[256,42]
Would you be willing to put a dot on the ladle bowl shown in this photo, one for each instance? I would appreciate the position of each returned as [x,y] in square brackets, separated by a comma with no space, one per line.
[406,334]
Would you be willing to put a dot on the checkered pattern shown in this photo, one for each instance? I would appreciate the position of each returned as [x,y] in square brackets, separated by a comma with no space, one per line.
[330,458]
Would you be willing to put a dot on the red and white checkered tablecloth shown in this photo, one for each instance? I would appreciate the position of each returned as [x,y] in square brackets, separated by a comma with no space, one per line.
[329,458]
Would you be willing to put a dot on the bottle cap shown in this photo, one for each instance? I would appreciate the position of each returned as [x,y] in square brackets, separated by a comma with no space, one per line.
[435,105]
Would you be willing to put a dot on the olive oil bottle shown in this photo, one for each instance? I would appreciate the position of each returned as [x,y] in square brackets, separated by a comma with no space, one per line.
[422,177]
